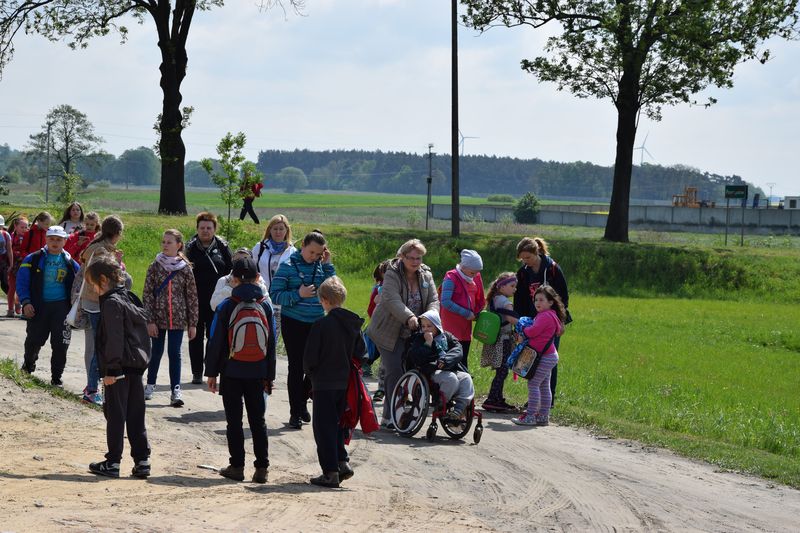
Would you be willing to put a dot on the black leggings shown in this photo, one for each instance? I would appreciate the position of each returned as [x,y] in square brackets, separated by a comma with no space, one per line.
[247,208]
[295,333]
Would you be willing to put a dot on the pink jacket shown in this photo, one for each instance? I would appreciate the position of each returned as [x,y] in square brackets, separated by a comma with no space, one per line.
[545,325]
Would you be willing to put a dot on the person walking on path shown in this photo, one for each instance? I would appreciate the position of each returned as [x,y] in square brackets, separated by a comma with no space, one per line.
[408,291]
[170,298]
[294,287]
[250,192]
[44,284]
[211,260]
[242,350]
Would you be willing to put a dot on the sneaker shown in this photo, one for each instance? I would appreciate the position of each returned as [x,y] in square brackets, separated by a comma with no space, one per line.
[378,396]
[327,479]
[141,469]
[27,369]
[235,473]
[524,420]
[345,471]
[104,468]
[295,422]
[197,379]
[93,397]
[176,399]
[387,425]
[507,406]
[56,382]
[306,416]
[11,314]
[455,415]
[260,475]
[493,405]
[148,391]
[542,421]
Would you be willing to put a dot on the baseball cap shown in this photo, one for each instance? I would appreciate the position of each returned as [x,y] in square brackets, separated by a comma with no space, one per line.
[245,269]
[56,231]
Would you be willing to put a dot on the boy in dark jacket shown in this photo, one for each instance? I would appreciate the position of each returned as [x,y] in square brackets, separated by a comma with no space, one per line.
[123,352]
[242,350]
[439,354]
[44,285]
[332,342]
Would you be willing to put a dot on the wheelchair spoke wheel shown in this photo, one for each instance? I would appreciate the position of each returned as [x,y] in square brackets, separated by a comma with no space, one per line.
[410,402]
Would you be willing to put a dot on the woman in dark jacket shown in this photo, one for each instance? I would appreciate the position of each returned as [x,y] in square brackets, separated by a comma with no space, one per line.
[538,269]
[211,259]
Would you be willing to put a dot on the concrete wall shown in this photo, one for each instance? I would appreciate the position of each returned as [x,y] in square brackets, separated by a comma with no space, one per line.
[655,218]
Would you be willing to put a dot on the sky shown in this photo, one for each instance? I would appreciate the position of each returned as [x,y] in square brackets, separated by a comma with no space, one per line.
[375,74]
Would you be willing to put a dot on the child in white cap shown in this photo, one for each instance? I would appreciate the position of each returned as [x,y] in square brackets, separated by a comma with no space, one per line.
[463,299]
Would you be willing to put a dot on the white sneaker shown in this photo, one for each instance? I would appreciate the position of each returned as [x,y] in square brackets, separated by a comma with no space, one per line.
[176,400]
[148,391]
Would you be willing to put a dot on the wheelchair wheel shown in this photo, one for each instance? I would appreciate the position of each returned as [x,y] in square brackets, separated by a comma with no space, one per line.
[410,402]
[457,430]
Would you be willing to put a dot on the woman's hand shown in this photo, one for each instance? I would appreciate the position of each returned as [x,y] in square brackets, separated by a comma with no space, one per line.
[326,255]
[412,323]
[192,332]
[212,384]
[152,330]
[109,380]
[307,291]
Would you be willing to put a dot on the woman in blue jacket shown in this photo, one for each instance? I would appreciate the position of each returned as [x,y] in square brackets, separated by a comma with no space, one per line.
[294,288]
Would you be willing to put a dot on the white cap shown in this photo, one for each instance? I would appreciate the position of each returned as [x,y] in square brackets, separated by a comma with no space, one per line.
[56,231]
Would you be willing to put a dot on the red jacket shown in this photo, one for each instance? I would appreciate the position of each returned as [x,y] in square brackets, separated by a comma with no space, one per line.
[34,240]
[466,296]
[359,409]
[77,243]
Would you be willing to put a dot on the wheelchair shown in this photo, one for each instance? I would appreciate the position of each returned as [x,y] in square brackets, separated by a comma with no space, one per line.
[414,395]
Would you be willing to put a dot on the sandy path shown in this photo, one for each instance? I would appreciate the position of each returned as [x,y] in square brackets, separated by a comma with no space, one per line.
[516,479]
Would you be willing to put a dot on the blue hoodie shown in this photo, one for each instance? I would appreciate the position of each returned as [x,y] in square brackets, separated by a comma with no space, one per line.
[283,290]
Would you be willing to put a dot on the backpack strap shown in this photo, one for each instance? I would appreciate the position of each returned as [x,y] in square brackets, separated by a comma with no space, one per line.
[164,283]
[260,253]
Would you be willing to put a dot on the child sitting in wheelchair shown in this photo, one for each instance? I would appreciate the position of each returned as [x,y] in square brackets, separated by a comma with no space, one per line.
[437,353]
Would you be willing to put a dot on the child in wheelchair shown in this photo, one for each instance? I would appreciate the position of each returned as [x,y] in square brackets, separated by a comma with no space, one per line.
[437,353]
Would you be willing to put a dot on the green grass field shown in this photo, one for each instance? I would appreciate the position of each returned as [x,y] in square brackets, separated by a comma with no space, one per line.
[687,346]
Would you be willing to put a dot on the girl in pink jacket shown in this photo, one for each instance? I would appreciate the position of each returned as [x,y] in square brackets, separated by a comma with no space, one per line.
[548,324]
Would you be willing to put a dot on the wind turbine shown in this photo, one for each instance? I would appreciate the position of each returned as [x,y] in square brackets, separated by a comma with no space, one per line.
[461,141]
[643,149]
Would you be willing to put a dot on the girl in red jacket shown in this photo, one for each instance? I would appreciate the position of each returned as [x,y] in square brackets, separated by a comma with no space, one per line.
[35,240]
[19,227]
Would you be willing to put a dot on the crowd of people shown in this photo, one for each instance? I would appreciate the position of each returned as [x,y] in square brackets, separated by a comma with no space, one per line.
[233,306]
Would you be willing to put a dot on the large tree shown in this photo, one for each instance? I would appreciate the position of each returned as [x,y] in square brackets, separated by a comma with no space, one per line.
[78,21]
[71,136]
[642,55]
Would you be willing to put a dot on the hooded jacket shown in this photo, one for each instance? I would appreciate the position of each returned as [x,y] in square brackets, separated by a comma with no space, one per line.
[122,344]
[283,290]
[30,278]
[332,342]
[445,349]
[218,348]
[528,281]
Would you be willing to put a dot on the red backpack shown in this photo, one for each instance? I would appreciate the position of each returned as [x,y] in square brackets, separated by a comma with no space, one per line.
[248,331]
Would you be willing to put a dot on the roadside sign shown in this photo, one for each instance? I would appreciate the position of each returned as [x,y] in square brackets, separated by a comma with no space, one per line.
[735,191]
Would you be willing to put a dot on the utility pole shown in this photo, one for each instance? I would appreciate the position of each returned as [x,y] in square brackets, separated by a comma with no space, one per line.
[47,177]
[769,199]
[430,181]
[455,216]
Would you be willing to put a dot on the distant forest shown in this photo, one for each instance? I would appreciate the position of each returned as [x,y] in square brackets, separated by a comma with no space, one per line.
[398,172]
[481,175]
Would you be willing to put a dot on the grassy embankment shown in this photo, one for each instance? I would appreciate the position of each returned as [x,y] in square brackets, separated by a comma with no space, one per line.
[693,348]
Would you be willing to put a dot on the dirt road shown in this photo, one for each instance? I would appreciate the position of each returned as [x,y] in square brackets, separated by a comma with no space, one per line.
[516,479]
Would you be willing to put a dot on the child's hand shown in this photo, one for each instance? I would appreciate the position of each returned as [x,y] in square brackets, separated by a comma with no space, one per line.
[152,330]
[212,384]
[268,386]
[428,338]
[512,320]
[28,311]
[192,332]
[440,364]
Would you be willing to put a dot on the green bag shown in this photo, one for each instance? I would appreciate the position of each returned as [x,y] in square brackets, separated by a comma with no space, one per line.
[487,327]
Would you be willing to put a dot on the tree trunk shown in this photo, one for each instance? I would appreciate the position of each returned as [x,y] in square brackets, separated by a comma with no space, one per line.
[627,110]
[172,200]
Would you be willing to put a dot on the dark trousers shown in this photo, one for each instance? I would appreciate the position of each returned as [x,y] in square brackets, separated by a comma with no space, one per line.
[465,357]
[233,390]
[196,345]
[124,408]
[295,333]
[554,375]
[328,410]
[247,208]
[49,322]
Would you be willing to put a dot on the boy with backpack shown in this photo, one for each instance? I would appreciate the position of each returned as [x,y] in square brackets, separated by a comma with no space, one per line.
[332,342]
[242,349]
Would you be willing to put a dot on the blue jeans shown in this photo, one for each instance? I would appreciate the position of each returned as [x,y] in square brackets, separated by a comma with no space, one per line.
[93,370]
[174,340]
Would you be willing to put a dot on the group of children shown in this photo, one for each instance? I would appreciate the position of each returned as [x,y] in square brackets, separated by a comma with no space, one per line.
[240,354]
